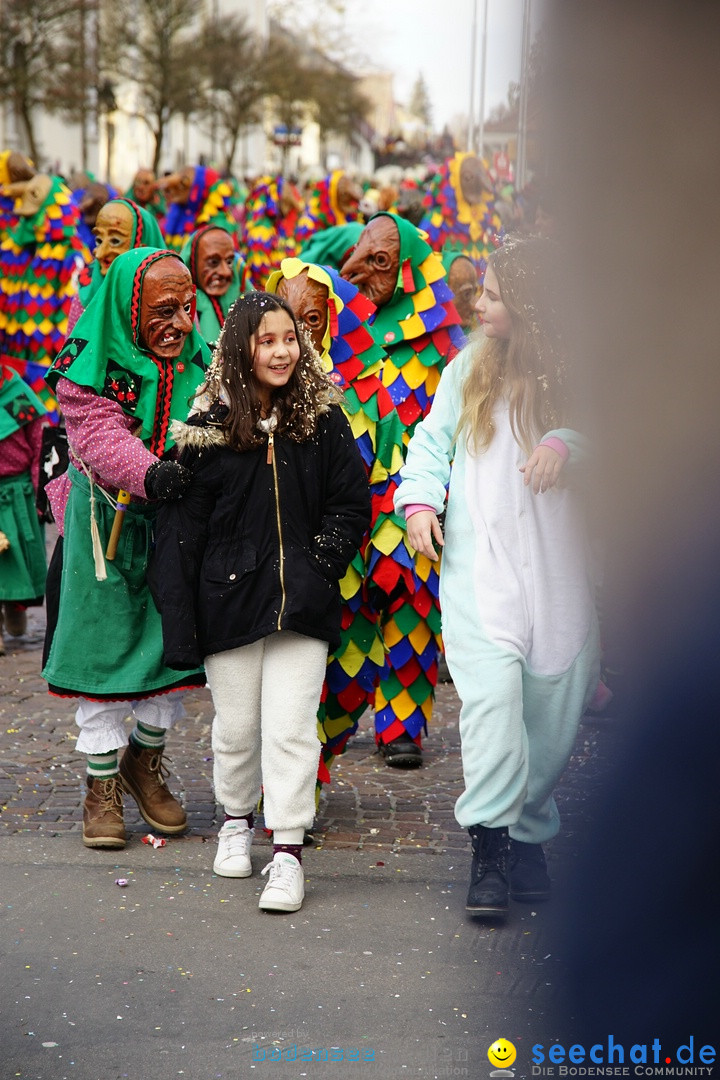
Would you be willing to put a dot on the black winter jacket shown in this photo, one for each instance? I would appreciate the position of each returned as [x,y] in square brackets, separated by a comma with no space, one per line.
[255,545]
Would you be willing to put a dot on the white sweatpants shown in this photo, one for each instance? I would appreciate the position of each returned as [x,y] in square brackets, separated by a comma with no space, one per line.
[266,697]
[102,723]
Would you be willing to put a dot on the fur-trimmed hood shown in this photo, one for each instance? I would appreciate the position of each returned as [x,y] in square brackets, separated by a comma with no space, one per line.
[197,436]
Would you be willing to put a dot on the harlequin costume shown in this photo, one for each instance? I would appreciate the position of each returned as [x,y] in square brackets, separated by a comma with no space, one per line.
[323,208]
[384,563]
[145,233]
[211,311]
[8,217]
[420,333]
[210,203]
[39,260]
[450,220]
[269,235]
[22,542]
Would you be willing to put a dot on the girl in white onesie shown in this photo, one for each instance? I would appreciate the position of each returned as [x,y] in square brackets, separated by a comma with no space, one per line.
[517,597]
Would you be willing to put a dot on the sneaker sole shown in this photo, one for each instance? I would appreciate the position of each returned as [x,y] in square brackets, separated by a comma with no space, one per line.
[169,830]
[279,905]
[231,873]
[103,841]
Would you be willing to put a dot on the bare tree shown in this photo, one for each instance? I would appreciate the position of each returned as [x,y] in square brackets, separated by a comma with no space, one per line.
[35,37]
[158,52]
[340,108]
[235,82]
[302,80]
[289,82]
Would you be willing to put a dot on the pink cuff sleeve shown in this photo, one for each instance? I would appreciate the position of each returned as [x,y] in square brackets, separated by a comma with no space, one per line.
[557,445]
[415,508]
[100,434]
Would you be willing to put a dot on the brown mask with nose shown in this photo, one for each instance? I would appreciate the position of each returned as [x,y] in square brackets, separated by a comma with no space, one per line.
[308,299]
[167,308]
[374,264]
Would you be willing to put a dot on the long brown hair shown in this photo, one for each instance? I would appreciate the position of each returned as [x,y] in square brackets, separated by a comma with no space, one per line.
[528,367]
[297,405]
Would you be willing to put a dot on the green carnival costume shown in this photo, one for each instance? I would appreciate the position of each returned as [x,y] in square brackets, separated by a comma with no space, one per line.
[108,639]
[212,310]
[22,540]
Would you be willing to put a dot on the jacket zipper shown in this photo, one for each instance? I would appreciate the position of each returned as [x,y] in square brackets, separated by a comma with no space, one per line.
[271,461]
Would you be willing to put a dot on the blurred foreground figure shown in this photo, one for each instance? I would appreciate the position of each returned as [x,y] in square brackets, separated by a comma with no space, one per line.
[642,928]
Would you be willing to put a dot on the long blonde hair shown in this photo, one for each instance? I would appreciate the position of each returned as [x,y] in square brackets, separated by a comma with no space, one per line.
[527,368]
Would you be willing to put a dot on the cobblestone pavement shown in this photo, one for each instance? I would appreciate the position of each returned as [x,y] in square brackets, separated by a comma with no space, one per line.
[368,806]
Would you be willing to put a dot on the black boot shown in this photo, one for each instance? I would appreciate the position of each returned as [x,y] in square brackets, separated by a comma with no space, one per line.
[529,879]
[488,893]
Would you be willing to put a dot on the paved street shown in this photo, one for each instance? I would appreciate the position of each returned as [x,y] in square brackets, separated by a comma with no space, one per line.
[178,973]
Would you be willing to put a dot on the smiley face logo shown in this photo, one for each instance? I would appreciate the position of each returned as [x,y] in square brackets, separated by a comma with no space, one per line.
[502,1054]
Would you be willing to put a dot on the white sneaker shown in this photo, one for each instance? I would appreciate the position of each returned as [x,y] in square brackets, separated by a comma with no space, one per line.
[233,854]
[285,890]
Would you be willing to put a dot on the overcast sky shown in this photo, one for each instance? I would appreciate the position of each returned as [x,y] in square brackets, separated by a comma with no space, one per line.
[434,37]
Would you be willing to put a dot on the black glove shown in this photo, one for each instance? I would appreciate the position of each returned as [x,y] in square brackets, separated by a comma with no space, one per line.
[167,480]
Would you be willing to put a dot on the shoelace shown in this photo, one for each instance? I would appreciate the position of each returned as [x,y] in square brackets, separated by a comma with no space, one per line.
[279,871]
[238,841]
[156,766]
[111,799]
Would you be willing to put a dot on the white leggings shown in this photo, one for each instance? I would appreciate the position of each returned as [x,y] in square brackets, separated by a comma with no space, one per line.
[266,697]
[102,723]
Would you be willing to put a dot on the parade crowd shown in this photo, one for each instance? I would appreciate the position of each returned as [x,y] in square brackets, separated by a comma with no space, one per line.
[297,446]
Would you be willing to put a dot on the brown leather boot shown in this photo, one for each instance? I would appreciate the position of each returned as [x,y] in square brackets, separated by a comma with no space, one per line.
[103,824]
[142,774]
[15,619]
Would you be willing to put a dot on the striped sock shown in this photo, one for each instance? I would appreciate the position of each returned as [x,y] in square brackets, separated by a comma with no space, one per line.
[150,738]
[102,765]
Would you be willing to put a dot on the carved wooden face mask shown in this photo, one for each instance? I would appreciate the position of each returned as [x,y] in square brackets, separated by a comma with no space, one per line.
[308,299]
[463,282]
[215,262]
[178,185]
[143,187]
[374,264]
[113,233]
[32,194]
[348,195]
[473,179]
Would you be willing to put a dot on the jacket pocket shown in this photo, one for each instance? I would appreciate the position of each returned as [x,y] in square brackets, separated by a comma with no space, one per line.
[226,565]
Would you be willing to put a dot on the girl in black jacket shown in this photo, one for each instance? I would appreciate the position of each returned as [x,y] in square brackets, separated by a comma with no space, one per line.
[247,569]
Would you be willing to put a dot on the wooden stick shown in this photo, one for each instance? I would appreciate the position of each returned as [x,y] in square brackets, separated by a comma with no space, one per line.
[123,498]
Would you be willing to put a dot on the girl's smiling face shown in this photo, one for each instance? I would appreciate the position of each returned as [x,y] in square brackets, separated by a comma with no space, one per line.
[496,322]
[276,351]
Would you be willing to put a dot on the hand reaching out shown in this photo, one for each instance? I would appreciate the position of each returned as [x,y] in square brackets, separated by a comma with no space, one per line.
[542,469]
